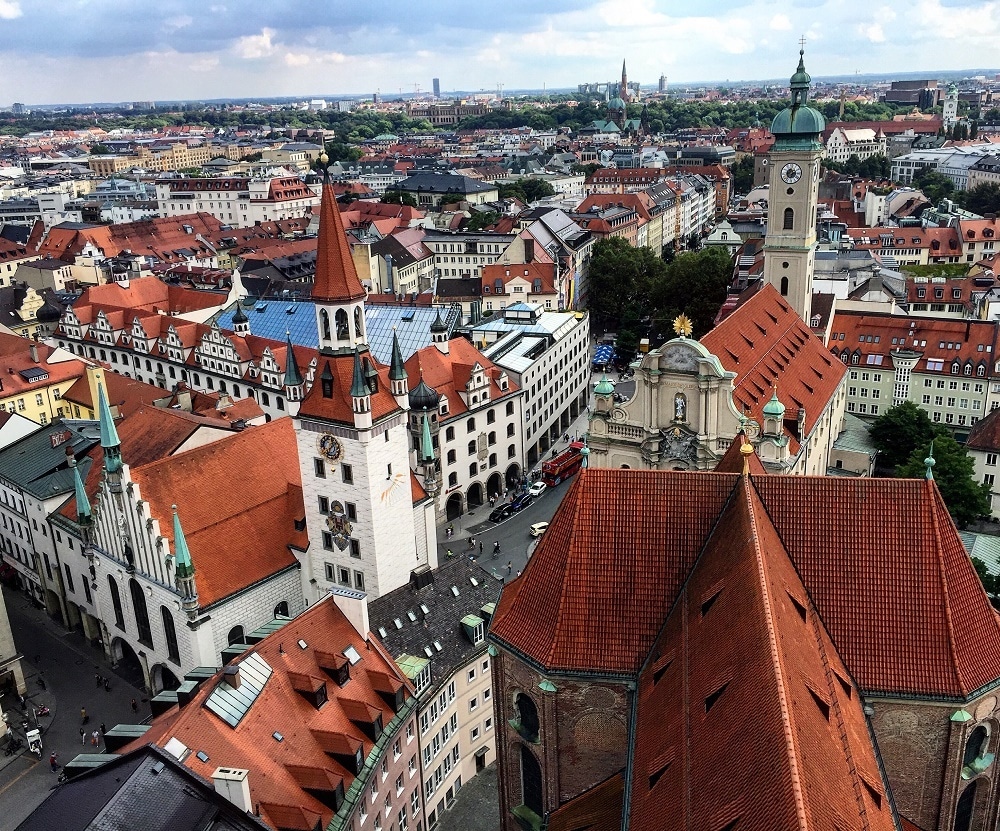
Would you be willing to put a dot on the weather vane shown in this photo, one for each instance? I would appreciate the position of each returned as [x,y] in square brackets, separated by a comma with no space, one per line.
[682,326]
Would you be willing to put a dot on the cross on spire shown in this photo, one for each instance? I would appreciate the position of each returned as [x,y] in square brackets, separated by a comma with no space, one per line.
[802,43]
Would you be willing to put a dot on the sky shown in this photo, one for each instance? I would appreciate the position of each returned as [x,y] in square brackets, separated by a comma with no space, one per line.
[62,51]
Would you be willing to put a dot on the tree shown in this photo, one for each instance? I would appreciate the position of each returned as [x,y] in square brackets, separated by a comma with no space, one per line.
[696,284]
[742,173]
[983,199]
[398,197]
[585,169]
[535,189]
[99,150]
[935,186]
[482,220]
[899,431]
[966,498]
[619,280]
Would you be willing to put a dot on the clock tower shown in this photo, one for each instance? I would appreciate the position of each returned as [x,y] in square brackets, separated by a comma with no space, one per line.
[793,192]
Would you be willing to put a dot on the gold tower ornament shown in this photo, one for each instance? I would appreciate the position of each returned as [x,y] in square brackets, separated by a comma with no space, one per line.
[682,325]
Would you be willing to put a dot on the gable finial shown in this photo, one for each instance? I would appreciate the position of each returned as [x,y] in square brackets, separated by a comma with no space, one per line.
[929,462]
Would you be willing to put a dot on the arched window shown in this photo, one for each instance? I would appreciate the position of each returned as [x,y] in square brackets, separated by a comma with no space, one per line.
[141,613]
[343,330]
[965,808]
[784,286]
[531,782]
[324,324]
[116,601]
[281,610]
[359,323]
[975,746]
[235,635]
[789,219]
[170,635]
[527,717]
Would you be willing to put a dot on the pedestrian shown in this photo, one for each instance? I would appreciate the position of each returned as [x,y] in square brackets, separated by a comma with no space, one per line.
[83,736]
[107,685]
[83,715]
[99,679]
[135,706]
[95,739]
[510,567]
[53,763]
[104,731]
[480,548]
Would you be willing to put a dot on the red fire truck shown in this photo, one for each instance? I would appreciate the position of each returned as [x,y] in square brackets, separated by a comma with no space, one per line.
[564,465]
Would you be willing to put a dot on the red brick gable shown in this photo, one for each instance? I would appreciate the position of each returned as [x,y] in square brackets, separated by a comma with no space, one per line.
[768,345]
[808,762]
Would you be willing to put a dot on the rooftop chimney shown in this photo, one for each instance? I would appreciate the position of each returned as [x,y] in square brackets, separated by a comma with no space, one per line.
[231,675]
[234,785]
[354,605]
[34,352]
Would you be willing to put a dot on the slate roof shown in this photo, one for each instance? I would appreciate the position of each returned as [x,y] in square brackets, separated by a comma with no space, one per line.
[41,469]
[442,622]
[440,183]
[768,345]
[147,788]
[880,558]
[985,433]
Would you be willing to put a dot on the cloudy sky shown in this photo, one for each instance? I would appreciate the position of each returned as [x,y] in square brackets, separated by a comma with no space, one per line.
[54,51]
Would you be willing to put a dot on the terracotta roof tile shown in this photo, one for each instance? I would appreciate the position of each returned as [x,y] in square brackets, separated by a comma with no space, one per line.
[339,407]
[767,344]
[336,276]
[594,809]
[985,434]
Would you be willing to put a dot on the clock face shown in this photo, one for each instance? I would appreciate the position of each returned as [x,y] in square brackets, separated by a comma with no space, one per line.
[330,447]
[791,173]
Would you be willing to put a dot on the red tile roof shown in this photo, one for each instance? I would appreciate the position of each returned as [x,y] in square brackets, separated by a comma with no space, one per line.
[594,809]
[743,644]
[336,275]
[881,559]
[283,776]
[340,407]
[768,345]
[985,434]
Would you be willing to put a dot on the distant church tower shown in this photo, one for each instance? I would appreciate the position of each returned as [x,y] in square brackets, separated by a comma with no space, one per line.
[949,114]
[793,192]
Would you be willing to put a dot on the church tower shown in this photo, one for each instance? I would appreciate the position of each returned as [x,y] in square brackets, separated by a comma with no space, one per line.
[338,294]
[949,114]
[793,193]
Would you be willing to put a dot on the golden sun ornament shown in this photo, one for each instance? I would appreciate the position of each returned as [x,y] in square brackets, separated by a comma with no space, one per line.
[682,326]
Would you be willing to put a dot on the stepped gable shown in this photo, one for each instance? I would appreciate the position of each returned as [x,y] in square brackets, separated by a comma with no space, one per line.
[886,568]
[290,778]
[339,407]
[244,532]
[449,373]
[565,611]
[743,645]
[767,344]
[336,276]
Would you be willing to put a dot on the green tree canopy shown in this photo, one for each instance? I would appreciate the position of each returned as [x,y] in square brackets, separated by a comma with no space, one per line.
[482,220]
[899,431]
[742,173]
[695,283]
[966,498]
[983,199]
[398,197]
[935,186]
[619,280]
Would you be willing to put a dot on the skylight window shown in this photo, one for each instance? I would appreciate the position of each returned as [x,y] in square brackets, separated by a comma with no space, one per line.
[398,623]
[437,646]
[424,609]
[474,581]
[381,631]
[352,655]
[302,644]
[277,736]
[428,652]
[454,590]
[202,755]
[412,617]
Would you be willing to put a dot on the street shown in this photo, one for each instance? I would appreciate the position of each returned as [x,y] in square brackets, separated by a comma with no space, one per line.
[68,666]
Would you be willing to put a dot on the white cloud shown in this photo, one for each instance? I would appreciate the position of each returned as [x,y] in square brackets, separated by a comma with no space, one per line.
[10,9]
[181,21]
[780,23]
[253,47]
[873,32]
[293,59]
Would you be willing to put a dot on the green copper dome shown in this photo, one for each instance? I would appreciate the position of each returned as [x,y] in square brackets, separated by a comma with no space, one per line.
[604,386]
[616,103]
[798,120]
[774,408]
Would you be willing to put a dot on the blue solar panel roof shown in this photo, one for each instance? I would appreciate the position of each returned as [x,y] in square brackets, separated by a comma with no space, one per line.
[272,318]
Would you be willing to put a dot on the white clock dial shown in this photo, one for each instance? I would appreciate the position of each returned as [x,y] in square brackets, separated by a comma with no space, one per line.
[791,173]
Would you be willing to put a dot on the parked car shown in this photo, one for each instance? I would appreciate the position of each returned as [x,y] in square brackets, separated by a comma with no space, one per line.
[537,488]
[538,529]
[522,502]
[501,513]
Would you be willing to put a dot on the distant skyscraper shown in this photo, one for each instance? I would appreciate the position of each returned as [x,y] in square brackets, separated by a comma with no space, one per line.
[663,83]
[437,87]
[18,108]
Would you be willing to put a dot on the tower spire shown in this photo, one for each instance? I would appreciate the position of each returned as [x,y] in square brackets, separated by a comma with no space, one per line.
[184,570]
[336,276]
[398,379]
[110,442]
[84,514]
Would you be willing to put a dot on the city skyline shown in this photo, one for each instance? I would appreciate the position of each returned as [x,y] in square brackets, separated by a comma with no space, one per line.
[109,50]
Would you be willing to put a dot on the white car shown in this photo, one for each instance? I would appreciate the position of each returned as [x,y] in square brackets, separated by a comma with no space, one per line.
[537,488]
[538,529]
